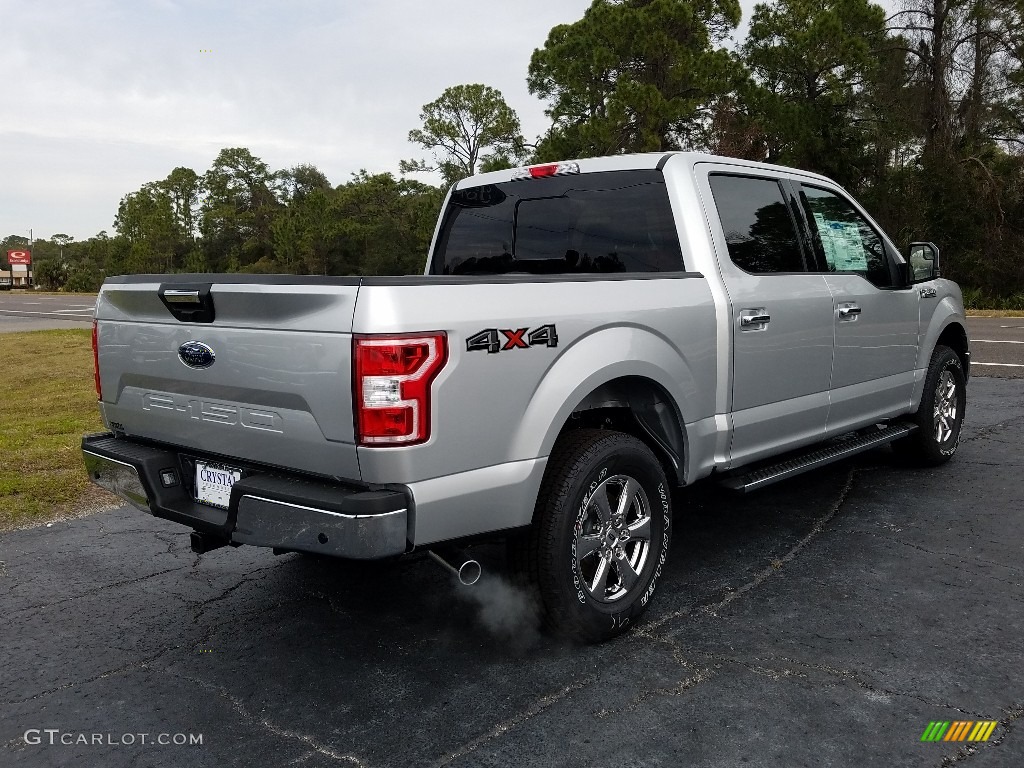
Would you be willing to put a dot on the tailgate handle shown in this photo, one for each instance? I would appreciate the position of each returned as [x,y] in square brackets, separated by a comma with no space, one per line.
[173,296]
[189,303]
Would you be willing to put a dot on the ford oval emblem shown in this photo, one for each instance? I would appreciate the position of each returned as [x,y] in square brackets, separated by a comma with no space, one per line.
[195,354]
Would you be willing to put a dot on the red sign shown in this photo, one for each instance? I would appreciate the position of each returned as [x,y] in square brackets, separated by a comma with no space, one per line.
[19,257]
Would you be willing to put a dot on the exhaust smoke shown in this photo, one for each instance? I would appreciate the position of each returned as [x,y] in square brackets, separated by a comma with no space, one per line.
[506,611]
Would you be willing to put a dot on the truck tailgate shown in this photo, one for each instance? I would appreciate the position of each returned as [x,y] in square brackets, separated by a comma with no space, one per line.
[278,390]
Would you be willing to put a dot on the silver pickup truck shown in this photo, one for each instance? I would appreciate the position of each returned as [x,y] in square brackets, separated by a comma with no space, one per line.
[587,336]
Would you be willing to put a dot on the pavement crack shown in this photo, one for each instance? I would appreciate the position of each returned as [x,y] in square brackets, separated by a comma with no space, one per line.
[540,705]
[1006,725]
[774,567]
[238,705]
[792,668]
[101,676]
[699,675]
[249,578]
[940,553]
[993,429]
[172,542]
[772,673]
[94,590]
[777,565]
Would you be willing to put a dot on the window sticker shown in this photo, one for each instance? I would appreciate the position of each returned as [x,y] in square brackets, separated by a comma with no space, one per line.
[844,249]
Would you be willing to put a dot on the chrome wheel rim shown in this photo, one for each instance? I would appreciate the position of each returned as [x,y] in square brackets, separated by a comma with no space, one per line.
[613,539]
[946,407]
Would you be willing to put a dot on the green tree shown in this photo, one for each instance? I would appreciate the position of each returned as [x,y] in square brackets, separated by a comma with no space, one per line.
[965,71]
[238,211]
[13,242]
[50,275]
[315,226]
[184,187]
[145,219]
[634,76]
[467,128]
[61,240]
[386,223]
[811,61]
[88,263]
[298,182]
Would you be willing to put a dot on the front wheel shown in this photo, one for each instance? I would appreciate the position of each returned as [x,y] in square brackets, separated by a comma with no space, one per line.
[600,536]
[940,416]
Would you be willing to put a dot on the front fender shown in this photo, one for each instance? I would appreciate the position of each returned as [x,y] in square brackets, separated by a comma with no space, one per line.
[608,354]
[949,311]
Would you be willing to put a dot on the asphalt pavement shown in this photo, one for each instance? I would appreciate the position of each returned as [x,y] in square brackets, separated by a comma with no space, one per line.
[997,346]
[825,621]
[29,311]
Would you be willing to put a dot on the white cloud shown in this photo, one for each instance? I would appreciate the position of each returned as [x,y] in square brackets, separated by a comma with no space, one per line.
[102,96]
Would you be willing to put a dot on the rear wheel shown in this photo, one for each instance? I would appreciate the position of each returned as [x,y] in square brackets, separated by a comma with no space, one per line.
[600,536]
[940,416]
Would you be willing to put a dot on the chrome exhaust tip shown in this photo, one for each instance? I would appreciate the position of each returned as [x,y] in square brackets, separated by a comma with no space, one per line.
[465,569]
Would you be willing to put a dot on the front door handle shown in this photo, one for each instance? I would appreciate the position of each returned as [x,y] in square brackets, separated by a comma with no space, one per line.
[752,319]
[848,312]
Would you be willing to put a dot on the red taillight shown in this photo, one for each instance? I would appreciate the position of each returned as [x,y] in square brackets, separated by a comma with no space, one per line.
[540,171]
[96,362]
[393,375]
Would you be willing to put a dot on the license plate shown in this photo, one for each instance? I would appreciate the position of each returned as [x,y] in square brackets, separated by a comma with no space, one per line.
[213,484]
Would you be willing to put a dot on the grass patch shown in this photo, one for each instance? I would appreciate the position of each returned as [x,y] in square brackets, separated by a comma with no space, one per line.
[49,402]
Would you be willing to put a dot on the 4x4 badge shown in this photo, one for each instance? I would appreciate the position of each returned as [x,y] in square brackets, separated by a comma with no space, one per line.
[489,339]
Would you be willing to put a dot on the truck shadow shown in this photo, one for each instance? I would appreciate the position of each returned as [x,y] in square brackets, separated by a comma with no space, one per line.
[721,541]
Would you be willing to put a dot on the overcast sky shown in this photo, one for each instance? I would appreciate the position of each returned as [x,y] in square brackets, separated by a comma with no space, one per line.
[102,96]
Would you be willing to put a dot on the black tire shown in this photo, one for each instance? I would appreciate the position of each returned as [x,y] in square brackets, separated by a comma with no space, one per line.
[586,467]
[940,416]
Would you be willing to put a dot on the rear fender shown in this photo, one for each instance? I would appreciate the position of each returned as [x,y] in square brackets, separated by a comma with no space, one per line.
[608,354]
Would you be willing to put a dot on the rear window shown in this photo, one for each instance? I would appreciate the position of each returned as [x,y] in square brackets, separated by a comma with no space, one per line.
[617,221]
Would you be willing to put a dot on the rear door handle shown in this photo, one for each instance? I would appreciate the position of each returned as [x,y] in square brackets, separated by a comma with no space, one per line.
[848,311]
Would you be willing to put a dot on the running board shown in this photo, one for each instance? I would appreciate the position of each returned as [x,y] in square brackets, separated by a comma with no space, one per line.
[818,457]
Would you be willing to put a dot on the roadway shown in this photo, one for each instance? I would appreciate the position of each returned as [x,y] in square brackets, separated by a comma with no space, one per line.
[29,311]
[997,346]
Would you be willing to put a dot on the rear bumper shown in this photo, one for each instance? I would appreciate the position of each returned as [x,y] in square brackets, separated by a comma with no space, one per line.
[266,510]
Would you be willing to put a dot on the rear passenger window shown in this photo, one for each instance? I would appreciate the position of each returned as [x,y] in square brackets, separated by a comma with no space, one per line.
[759,229]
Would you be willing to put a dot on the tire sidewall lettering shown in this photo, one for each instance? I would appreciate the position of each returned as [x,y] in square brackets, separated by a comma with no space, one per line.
[666,535]
[952,363]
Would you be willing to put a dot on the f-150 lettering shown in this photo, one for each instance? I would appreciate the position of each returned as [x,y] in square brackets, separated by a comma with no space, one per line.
[217,413]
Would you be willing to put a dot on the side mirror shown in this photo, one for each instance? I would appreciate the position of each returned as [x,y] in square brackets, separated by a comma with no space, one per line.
[924,262]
